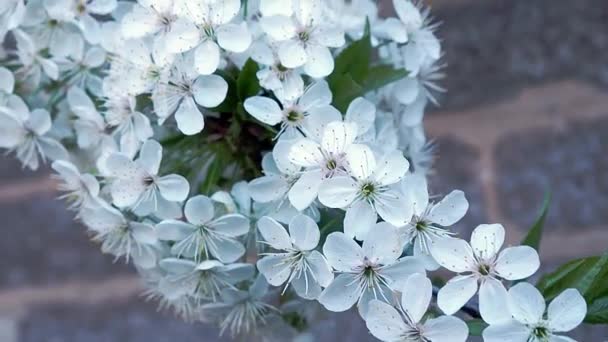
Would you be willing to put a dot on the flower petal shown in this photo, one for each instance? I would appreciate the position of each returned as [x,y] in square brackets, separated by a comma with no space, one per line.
[343,253]
[391,168]
[264,109]
[304,232]
[209,91]
[493,301]
[305,190]
[199,210]
[320,268]
[174,188]
[450,209]
[509,332]
[382,245]
[454,254]
[516,263]
[173,230]
[306,153]
[233,37]
[384,321]
[190,120]
[566,311]
[274,233]
[341,294]
[456,293]
[446,329]
[337,136]
[361,161]
[360,218]
[416,296]
[275,268]
[362,112]
[338,192]
[292,54]
[268,188]
[207,57]
[319,61]
[526,303]
[487,239]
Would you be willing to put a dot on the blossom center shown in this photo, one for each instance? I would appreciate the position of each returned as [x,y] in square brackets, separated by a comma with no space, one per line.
[304,36]
[294,116]
[484,269]
[368,189]
[541,333]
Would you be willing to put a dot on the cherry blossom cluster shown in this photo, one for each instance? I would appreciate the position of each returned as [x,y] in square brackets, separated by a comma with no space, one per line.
[337,216]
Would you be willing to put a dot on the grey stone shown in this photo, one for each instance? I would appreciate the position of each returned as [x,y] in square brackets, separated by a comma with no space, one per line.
[494,48]
[571,163]
[457,168]
[137,321]
[43,244]
[11,170]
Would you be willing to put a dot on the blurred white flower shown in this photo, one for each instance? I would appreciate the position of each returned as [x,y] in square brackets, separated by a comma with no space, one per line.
[137,185]
[204,235]
[81,190]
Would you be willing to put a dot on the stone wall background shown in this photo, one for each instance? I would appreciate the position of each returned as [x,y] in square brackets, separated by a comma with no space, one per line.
[526,111]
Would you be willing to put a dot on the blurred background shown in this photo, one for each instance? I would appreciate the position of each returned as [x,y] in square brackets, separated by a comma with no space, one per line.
[526,111]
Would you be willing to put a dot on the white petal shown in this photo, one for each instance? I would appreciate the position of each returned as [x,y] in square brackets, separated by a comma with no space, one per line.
[306,285]
[446,329]
[278,27]
[341,294]
[304,233]
[190,120]
[268,188]
[174,188]
[516,263]
[343,253]
[338,192]
[209,91]
[450,209]
[292,54]
[7,81]
[415,186]
[416,296]
[493,301]
[361,161]
[391,168]
[226,250]
[12,132]
[394,207]
[337,136]
[305,190]
[382,245]
[207,57]
[393,29]
[320,268]
[318,118]
[557,338]
[199,210]
[487,239]
[317,95]
[264,109]
[508,332]
[231,225]
[40,121]
[150,157]
[362,112]
[360,218]
[276,7]
[454,254]
[183,35]
[274,233]
[173,230]
[275,268]
[177,266]
[456,293]
[384,321]
[330,36]
[319,61]
[139,22]
[306,153]
[397,274]
[233,37]
[567,311]
[526,303]
[143,233]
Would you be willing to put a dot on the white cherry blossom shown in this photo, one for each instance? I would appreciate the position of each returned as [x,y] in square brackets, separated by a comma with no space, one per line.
[295,262]
[80,12]
[371,191]
[407,323]
[482,263]
[303,35]
[371,271]
[204,234]
[81,190]
[137,185]
[530,322]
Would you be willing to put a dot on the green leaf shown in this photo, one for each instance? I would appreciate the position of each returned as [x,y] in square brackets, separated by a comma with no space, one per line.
[587,275]
[476,327]
[597,312]
[535,233]
[354,60]
[247,83]
[382,75]
[345,89]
